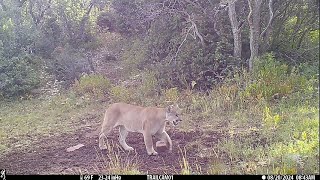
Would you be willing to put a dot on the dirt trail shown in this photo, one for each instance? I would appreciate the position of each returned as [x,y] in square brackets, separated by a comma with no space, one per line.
[49,156]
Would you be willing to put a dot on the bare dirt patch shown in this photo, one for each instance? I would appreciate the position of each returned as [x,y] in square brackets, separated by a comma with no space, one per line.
[49,156]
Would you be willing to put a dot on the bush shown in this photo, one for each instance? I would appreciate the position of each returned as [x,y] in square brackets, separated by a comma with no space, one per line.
[92,84]
[68,65]
[150,85]
[272,79]
[120,94]
[172,95]
[177,61]
[19,75]
[310,70]
[134,56]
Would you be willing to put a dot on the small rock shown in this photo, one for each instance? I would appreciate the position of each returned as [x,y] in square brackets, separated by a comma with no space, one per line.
[70,149]
[161,146]
[18,145]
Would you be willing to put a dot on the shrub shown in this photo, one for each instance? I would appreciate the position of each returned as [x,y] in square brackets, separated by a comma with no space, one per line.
[150,85]
[134,56]
[172,95]
[271,79]
[19,75]
[176,58]
[225,96]
[120,94]
[310,70]
[68,65]
[93,84]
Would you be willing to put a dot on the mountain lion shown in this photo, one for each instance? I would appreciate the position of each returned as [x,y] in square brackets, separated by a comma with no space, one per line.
[150,121]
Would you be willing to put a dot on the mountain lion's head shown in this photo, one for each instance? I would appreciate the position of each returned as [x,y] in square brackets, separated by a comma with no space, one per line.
[173,114]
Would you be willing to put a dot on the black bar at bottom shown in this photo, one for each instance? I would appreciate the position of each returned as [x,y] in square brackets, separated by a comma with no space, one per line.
[163,177]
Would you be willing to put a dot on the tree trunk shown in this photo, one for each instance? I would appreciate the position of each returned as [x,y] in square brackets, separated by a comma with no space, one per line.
[254,24]
[235,25]
[84,21]
[265,35]
[90,61]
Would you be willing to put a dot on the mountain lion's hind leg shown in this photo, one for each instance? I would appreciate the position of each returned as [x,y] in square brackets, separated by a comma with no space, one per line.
[106,128]
[102,135]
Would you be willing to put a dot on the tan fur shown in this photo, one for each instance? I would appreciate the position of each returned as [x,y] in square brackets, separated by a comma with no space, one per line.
[150,121]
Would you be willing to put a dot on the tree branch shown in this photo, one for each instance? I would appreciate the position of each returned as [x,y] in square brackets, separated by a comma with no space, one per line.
[263,34]
[185,38]
[195,29]
[85,19]
[197,33]
[250,13]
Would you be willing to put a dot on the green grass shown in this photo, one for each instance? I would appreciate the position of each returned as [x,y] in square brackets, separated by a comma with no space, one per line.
[273,140]
[27,121]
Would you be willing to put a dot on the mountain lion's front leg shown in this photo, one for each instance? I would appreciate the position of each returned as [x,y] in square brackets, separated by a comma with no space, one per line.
[149,144]
[167,138]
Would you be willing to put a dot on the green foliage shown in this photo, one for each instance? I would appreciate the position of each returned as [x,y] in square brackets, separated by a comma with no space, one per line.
[227,95]
[295,40]
[134,56]
[271,120]
[192,62]
[19,75]
[127,19]
[272,79]
[217,167]
[120,94]
[92,84]
[68,65]
[232,148]
[310,70]
[171,95]
[93,44]
[176,57]
[38,28]
[150,85]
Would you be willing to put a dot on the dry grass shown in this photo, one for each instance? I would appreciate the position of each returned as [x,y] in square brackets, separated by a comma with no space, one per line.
[114,163]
